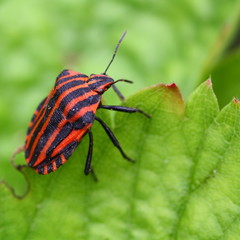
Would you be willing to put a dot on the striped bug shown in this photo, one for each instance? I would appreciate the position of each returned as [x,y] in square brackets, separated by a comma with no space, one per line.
[66,115]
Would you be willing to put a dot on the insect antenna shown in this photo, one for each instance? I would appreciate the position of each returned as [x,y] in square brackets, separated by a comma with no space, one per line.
[122,80]
[115,52]
[113,56]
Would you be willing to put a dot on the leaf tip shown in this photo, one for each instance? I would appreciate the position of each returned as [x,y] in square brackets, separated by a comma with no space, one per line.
[235,100]
[209,82]
[171,85]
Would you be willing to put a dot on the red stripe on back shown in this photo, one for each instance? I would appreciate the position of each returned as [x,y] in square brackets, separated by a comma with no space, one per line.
[42,154]
[75,135]
[70,74]
[71,104]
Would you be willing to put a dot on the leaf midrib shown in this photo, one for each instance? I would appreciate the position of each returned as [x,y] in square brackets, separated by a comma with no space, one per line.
[182,208]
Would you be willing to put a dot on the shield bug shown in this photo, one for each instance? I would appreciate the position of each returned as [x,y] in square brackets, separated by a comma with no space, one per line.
[66,115]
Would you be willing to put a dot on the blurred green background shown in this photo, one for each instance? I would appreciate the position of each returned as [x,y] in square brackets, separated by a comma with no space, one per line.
[181,41]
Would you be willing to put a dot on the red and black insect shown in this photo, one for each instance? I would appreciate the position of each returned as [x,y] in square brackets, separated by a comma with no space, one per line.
[66,115]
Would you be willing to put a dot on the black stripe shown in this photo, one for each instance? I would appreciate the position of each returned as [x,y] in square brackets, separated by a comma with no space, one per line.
[45,162]
[72,77]
[101,78]
[49,168]
[73,95]
[39,126]
[62,89]
[64,132]
[70,95]
[69,85]
[84,103]
[36,114]
[98,84]
[67,151]
[35,133]
[40,170]
[27,152]
[58,162]
[64,72]
[87,118]
[56,118]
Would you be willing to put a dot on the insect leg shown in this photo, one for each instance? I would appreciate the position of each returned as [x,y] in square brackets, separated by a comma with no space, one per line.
[88,169]
[122,98]
[124,109]
[113,138]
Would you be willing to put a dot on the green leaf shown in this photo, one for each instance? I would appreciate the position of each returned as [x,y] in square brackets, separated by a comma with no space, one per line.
[184,184]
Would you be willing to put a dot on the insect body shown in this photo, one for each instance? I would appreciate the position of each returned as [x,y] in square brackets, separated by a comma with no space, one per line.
[65,116]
